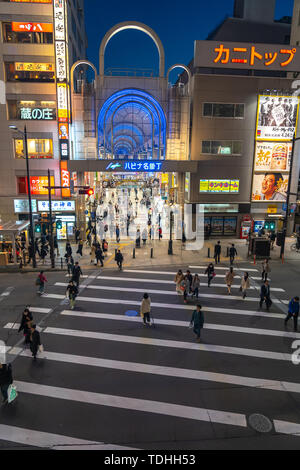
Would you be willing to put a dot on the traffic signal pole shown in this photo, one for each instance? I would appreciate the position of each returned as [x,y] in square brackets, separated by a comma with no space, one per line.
[52,257]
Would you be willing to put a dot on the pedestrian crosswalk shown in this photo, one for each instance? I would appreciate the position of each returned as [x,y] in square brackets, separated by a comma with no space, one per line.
[130,386]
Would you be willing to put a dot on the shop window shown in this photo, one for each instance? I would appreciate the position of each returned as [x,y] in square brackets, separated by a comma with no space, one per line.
[29,72]
[223,110]
[37,148]
[26,37]
[22,184]
[222,147]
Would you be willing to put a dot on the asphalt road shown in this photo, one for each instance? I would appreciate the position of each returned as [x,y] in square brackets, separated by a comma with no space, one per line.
[106,381]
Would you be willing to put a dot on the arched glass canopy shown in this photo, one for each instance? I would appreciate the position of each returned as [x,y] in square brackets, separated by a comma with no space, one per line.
[131,124]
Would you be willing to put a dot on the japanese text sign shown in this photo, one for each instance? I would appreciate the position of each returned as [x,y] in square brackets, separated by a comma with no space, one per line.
[65,179]
[57,206]
[37,184]
[276,117]
[236,55]
[219,186]
[32,27]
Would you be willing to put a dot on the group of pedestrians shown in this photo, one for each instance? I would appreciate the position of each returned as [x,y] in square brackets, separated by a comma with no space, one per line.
[30,332]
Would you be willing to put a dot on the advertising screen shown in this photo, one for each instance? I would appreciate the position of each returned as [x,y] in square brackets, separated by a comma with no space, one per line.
[276,117]
[270,186]
[273,156]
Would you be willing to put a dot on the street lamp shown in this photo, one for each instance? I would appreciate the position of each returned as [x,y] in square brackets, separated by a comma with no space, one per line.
[14,128]
[285,222]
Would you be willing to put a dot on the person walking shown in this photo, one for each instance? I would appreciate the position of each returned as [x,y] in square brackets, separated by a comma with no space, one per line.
[272,239]
[232,253]
[145,309]
[93,251]
[144,236]
[68,250]
[118,233]
[160,233]
[265,295]
[185,287]
[55,245]
[25,325]
[35,341]
[41,282]
[210,271]
[119,259]
[76,273]
[229,279]
[70,265]
[190,279]
[217,253]
[196,286]
[104,247]
[72,292]
[80,246]
[6,379]
[197,322]
[178,280]
[138,238]
[77,235]
[30,253]
[245,284]
[265,269]
[99,256]
[44,252]
[293,312]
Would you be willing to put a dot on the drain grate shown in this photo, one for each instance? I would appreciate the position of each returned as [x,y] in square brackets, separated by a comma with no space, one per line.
[260,423]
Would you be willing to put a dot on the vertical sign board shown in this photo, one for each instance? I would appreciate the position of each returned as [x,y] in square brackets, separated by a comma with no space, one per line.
[62,76]
[65,179]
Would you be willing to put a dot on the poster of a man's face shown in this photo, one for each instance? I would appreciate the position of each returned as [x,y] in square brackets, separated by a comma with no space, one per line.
[277,117]
[270,186]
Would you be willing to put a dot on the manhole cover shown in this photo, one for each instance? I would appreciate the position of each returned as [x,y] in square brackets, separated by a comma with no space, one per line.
[260,423]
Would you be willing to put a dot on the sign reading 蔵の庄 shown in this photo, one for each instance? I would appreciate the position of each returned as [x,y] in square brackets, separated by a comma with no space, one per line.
[239,55]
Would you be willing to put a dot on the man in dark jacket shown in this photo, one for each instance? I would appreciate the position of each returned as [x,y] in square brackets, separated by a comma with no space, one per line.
[6,379]
[232,253]
[35,341]
[217,253]
[265,295]
[119,259]
[293,312]
[76,273]
[99,255]
[25,325]
[197,322]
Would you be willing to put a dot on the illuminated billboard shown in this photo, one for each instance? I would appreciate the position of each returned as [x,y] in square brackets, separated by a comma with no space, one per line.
[270,186]
[219,186]
[276,117]
[272,156]
[38,183]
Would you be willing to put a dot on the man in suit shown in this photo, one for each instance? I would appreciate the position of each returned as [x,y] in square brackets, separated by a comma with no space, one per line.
[265,295]
[217,252]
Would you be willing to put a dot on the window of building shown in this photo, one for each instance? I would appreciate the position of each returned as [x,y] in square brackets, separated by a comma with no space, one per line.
[222,147]
[223,110]
[29,72]
[32,110]
[26,37]
[37,148]
[22,184]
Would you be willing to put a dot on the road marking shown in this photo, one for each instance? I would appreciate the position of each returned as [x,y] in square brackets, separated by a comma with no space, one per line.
[169,306]
[172,273]
[38,438]
[167,343]
[174,293]
[135,404]
[224,268]
[40,309]
[284,427]
[166,371]
[184,324]
[7,292]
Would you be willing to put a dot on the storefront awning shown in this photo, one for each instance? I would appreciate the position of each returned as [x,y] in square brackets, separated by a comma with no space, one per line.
[13,228]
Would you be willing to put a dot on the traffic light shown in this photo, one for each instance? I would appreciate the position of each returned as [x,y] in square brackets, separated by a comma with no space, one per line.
[269,225]
[58,225]
[88,192]
[37,228]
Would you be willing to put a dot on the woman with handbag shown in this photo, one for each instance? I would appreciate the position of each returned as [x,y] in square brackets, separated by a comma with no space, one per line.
[245,284]
[210,271]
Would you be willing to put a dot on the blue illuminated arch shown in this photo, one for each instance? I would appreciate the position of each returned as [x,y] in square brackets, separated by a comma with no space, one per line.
[136,114]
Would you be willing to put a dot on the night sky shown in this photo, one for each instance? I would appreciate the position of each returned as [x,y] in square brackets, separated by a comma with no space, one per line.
[178,23]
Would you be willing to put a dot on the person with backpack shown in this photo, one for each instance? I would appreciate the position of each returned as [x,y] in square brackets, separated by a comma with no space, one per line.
[6,379]
[210,271]
[41,283]
[145,309]
[293,311]
[72,292]
[119,259]
[197,322]
[76,273]
[35,341]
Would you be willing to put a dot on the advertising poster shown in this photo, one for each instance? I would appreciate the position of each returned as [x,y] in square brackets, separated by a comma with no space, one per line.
[271,186]
[276,117]
[217,225]
[229,225]
[219,186]
[273,156]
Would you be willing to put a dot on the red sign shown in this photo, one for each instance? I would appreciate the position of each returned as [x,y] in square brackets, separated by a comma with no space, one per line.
[37,184]
[32,27]
[65,179]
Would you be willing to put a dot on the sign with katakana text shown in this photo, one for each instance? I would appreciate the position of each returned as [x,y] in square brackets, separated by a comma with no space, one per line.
[219,186]
[32,27]
[37,114]
[272,156]
[135,165]
[38,183]
[247,56]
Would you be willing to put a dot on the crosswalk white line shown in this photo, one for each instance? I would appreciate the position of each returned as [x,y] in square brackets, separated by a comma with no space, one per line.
[40,310]
[168,343]
[173,273]
[163,281]
[135,404]
[285,427]
[225,268]
[264,384]
[184,324]
[174,293]
[39,438]
[169,306]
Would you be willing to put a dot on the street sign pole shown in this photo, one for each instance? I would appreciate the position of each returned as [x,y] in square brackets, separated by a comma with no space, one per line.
[51,223]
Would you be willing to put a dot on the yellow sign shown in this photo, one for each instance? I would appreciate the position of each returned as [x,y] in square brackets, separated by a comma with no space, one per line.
[165,178]
[33,67]
[272,210]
